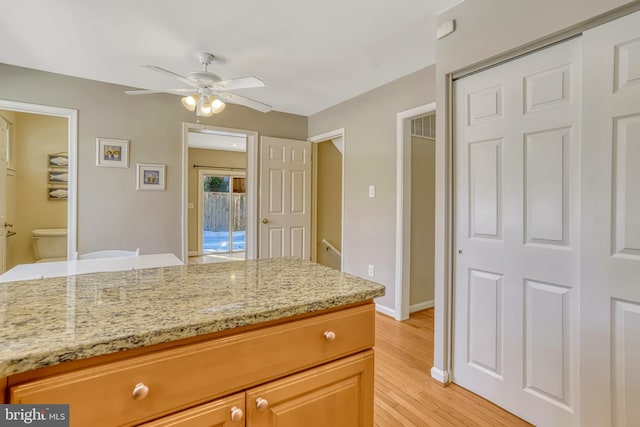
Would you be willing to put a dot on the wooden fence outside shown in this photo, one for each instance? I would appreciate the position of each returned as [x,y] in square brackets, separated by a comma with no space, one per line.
[215,210]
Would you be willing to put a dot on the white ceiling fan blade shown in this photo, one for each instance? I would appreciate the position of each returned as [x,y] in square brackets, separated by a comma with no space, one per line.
[239,83]
[172,74]
[243,100]
[149,91]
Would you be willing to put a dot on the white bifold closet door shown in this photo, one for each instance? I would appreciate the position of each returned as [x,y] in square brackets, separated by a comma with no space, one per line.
[517,234]
[610,266]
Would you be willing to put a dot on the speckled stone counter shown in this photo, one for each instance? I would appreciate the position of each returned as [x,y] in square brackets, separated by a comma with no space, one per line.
[49,321]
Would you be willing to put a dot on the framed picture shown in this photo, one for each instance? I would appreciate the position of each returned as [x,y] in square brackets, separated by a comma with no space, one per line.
[58,193]
[150,177]
[113,153]
[58,176]
[58,160]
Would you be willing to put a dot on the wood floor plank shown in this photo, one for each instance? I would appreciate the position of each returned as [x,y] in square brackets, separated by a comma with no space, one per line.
[405,393]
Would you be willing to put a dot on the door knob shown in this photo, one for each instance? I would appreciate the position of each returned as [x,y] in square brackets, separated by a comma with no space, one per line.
[265,220]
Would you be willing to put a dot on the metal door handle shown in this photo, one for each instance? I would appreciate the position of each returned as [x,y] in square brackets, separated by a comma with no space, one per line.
[265,220]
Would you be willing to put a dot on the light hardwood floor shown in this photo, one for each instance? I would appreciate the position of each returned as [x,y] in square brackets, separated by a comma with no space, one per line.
[406,395]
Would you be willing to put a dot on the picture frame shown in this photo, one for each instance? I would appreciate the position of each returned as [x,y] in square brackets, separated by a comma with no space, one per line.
[58,160]
[58,193]
[58,176]
[112,153]
[150,177]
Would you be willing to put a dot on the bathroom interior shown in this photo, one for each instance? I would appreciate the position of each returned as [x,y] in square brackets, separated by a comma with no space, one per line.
[37,219]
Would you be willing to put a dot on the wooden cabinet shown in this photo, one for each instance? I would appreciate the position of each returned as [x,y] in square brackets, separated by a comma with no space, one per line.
[337,394]
[287,362]
[225,412]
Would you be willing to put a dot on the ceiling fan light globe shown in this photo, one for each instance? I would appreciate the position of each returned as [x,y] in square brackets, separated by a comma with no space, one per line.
[190,102]
[205,110]
[217,106]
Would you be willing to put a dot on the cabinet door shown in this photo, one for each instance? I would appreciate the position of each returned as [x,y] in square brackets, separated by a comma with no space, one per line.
[336,394]
[225,412]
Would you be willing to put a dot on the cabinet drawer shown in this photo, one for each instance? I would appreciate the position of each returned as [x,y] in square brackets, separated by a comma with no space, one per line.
[185,376]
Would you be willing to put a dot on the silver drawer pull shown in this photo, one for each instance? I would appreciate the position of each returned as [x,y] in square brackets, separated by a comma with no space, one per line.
[261,404]
[236,414]
[330,336]
[140,391]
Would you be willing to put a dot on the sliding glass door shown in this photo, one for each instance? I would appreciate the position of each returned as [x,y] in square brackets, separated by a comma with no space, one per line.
[224,220]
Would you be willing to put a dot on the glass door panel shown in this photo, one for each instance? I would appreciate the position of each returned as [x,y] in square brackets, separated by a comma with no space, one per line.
[224,214]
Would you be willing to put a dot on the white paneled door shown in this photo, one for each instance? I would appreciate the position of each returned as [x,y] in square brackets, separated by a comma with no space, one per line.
[285,198]
[517,234]
[610,267]
[4,132]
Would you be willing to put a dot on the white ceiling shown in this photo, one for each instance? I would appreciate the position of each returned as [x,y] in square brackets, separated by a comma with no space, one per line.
[311,54]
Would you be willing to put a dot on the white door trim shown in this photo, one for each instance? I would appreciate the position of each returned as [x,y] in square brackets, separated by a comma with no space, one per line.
[72,149]
[403,207]
[338,134]
[252,185]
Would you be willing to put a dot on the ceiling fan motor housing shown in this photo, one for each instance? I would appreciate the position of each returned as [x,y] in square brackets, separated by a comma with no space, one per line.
[204,77]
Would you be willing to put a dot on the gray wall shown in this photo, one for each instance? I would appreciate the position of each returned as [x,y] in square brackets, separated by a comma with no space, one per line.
[111,213]
[485,29]
[369,121]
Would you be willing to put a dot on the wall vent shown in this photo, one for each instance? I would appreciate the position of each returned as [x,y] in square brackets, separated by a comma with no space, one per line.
[424,126]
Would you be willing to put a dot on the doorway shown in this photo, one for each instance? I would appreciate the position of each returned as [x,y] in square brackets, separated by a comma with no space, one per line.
[327,243]
[327,205]
[404,242]
[64,181]
[222,214]
[217,152]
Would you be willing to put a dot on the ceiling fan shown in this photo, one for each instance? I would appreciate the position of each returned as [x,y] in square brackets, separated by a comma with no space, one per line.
[208,92]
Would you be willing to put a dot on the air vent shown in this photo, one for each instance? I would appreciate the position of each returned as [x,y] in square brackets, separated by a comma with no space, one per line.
[424,126]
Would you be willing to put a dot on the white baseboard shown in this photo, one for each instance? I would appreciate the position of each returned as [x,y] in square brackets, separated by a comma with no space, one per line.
[386,310]
[421,306]
[440,375]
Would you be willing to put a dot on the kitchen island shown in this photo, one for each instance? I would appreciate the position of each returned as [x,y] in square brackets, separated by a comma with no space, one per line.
[260,342]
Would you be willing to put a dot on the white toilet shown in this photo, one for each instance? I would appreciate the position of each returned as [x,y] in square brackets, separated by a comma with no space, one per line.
[49,244]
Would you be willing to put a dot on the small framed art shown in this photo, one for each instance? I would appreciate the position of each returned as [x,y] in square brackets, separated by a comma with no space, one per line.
[58,193]
[113,153]
[151,177]
[58,177]
[58,160]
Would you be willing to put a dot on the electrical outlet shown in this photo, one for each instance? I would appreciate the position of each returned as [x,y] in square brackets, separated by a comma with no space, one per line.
[370,270]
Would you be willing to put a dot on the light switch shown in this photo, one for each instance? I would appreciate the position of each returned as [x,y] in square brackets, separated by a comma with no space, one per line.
[372,191]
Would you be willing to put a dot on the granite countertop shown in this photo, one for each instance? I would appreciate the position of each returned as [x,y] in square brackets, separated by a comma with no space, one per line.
[50,321]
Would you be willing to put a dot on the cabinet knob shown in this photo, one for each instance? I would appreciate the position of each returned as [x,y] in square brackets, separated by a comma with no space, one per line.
[236,414]
[261,404]
[140,391]
[330,336]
